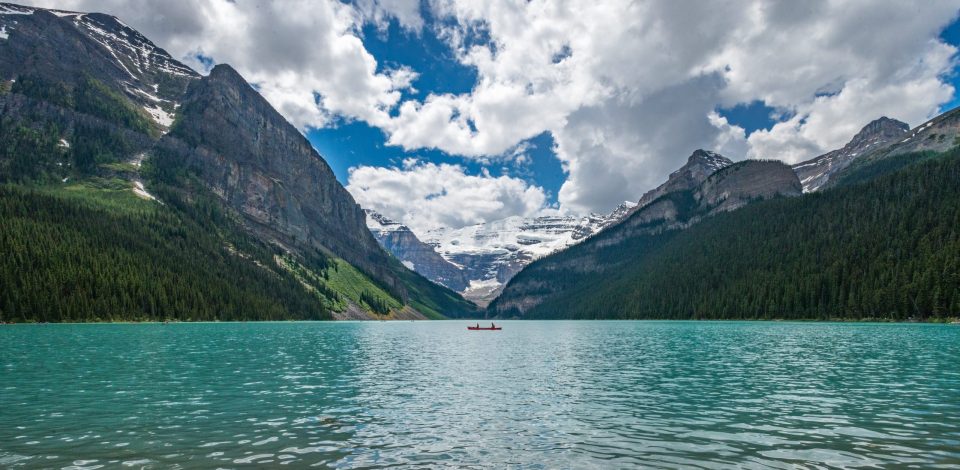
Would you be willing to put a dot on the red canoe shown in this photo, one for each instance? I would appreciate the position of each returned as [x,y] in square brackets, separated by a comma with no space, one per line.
[488,328]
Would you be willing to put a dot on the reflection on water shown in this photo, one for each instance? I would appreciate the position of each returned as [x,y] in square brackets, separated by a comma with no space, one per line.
[537,395]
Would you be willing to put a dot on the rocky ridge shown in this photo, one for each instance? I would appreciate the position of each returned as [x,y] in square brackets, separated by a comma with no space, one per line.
[69,45]
[729,188]
[875,136]
[399,240]
[700,165]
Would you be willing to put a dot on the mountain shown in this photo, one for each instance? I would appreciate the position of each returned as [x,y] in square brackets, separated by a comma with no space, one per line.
[874,137]
[938,135]
[884,248]
[399,240]
[484,257]
[732,186]
[478,259]
[700,165]
[878,240]
[97,119]
[62,44]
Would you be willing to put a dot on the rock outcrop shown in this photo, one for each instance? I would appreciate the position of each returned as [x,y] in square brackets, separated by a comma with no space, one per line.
[399,240]
[737,185]
[261,166]
[700,165]
[879,134]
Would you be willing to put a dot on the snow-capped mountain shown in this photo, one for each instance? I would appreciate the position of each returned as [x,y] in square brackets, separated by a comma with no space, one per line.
[878,134]
[486,255]
[149,76]
[399,240]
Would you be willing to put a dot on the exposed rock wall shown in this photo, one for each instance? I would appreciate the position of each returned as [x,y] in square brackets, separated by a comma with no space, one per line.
[260,165]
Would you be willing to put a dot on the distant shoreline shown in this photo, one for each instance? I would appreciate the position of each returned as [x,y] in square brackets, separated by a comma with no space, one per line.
[945,321]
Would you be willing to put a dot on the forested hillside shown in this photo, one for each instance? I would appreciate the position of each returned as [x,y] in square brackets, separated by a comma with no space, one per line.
[884,244]
[74,259]
[133,188]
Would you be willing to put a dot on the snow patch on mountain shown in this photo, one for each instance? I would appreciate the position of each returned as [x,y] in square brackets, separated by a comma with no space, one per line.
[140,191]
[876,135]
[490,254]
[160,116]
[8,9]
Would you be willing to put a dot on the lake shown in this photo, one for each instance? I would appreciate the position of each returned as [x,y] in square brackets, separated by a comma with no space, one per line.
[587,394]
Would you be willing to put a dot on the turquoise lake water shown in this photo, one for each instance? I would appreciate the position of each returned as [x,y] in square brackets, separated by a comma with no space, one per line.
[535,395]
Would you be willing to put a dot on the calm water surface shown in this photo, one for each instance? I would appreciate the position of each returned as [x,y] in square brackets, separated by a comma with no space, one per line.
[535,395]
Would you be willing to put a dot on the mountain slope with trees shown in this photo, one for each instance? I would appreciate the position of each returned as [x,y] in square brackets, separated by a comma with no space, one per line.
[881,245]
[156,173]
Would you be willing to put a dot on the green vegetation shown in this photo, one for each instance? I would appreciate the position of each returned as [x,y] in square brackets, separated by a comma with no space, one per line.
[31,153]
[104,193]
[79,245]
[33,150]
[89,96]
[338,283]
[884,245]
[860,172]
[71,258]
[430,299]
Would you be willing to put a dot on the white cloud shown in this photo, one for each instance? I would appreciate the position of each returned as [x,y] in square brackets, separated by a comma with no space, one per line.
[379,12]
[306,57]
[828,122]
[627,88]
[426,195]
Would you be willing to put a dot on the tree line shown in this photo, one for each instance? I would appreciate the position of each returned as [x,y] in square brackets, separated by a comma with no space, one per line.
[885,246]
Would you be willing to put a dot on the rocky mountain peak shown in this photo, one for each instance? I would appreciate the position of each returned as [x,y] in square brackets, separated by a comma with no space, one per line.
[878,134]
[70,47]
[262,166]
[224,72]
[705,160]
[700,165]
[883,128]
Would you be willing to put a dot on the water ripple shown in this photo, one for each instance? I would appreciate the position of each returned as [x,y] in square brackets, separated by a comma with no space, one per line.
[535,395]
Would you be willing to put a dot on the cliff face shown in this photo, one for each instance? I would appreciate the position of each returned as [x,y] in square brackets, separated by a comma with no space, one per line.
[260,165]
[399,240]
[735,186]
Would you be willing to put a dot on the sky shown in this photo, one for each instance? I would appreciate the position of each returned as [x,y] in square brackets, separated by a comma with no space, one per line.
[455,112]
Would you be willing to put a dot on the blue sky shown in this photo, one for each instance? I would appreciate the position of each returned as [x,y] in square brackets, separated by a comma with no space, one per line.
[353,143]
[619,91]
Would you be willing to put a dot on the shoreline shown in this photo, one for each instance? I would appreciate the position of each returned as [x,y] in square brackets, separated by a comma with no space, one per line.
[945,321]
